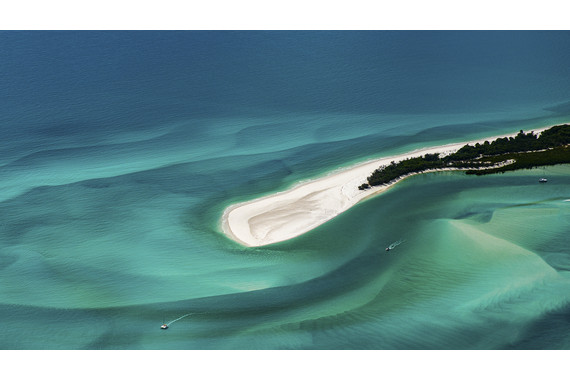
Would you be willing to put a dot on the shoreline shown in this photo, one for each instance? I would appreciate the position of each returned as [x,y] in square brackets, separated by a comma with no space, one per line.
[308,204]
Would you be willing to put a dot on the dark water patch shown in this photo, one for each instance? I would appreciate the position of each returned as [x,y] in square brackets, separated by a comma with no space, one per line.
[111,338]
[228,314]
[480,214]
[7,259]
[70,131]
[369,329]
[264,175]
[82,208]
[25,213]
[445,132]
[175,179]
[549,332]
[16,231]
[49,328]
[276,131]
[97,183]
[562,108]
[91,151]
[560,259]
[46,157]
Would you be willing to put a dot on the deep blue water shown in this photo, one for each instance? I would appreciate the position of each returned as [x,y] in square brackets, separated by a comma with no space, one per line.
[120,150]
[143,78]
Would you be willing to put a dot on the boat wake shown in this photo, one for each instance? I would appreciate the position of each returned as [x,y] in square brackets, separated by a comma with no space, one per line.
[177,319]
[394,245]
[167,324]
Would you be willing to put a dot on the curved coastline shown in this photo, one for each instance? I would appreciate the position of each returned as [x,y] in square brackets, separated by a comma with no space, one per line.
[308,204]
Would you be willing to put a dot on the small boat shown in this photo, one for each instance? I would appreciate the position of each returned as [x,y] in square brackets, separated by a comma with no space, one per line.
[387,249]
[164,326]
[542,180]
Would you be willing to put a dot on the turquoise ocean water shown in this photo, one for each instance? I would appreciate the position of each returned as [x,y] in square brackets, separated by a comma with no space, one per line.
[120,151]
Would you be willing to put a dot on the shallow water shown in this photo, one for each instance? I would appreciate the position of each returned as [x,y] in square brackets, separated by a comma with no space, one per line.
[122,150]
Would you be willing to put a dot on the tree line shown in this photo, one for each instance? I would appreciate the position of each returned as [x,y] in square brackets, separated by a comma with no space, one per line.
[527,151]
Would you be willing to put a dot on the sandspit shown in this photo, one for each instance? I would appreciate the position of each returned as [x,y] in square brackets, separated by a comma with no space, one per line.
[285,215]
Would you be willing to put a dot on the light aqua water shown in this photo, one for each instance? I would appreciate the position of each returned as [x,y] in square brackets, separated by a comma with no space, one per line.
[121,150]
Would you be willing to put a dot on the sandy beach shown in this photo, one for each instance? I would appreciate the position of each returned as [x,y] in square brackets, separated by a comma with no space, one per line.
[285,215]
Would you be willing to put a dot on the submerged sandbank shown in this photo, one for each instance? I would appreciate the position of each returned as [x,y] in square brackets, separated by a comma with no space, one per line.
[290,213]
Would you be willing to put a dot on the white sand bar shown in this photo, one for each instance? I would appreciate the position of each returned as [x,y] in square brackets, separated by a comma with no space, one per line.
[290,213]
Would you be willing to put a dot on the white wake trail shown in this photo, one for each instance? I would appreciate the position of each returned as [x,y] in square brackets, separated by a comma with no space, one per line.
[395,244]
[177,319]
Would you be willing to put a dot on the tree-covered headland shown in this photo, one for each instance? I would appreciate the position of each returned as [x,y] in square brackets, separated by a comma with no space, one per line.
[524,151]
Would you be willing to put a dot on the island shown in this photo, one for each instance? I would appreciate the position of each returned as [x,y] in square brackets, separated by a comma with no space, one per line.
[285,215]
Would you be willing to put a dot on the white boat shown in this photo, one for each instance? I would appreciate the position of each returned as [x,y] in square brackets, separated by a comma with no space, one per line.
[543,180]
[164,326]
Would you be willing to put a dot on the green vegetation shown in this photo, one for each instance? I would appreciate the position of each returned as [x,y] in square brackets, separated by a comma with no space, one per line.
[556,136]
[395,170]
[527,151]
[528,160]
